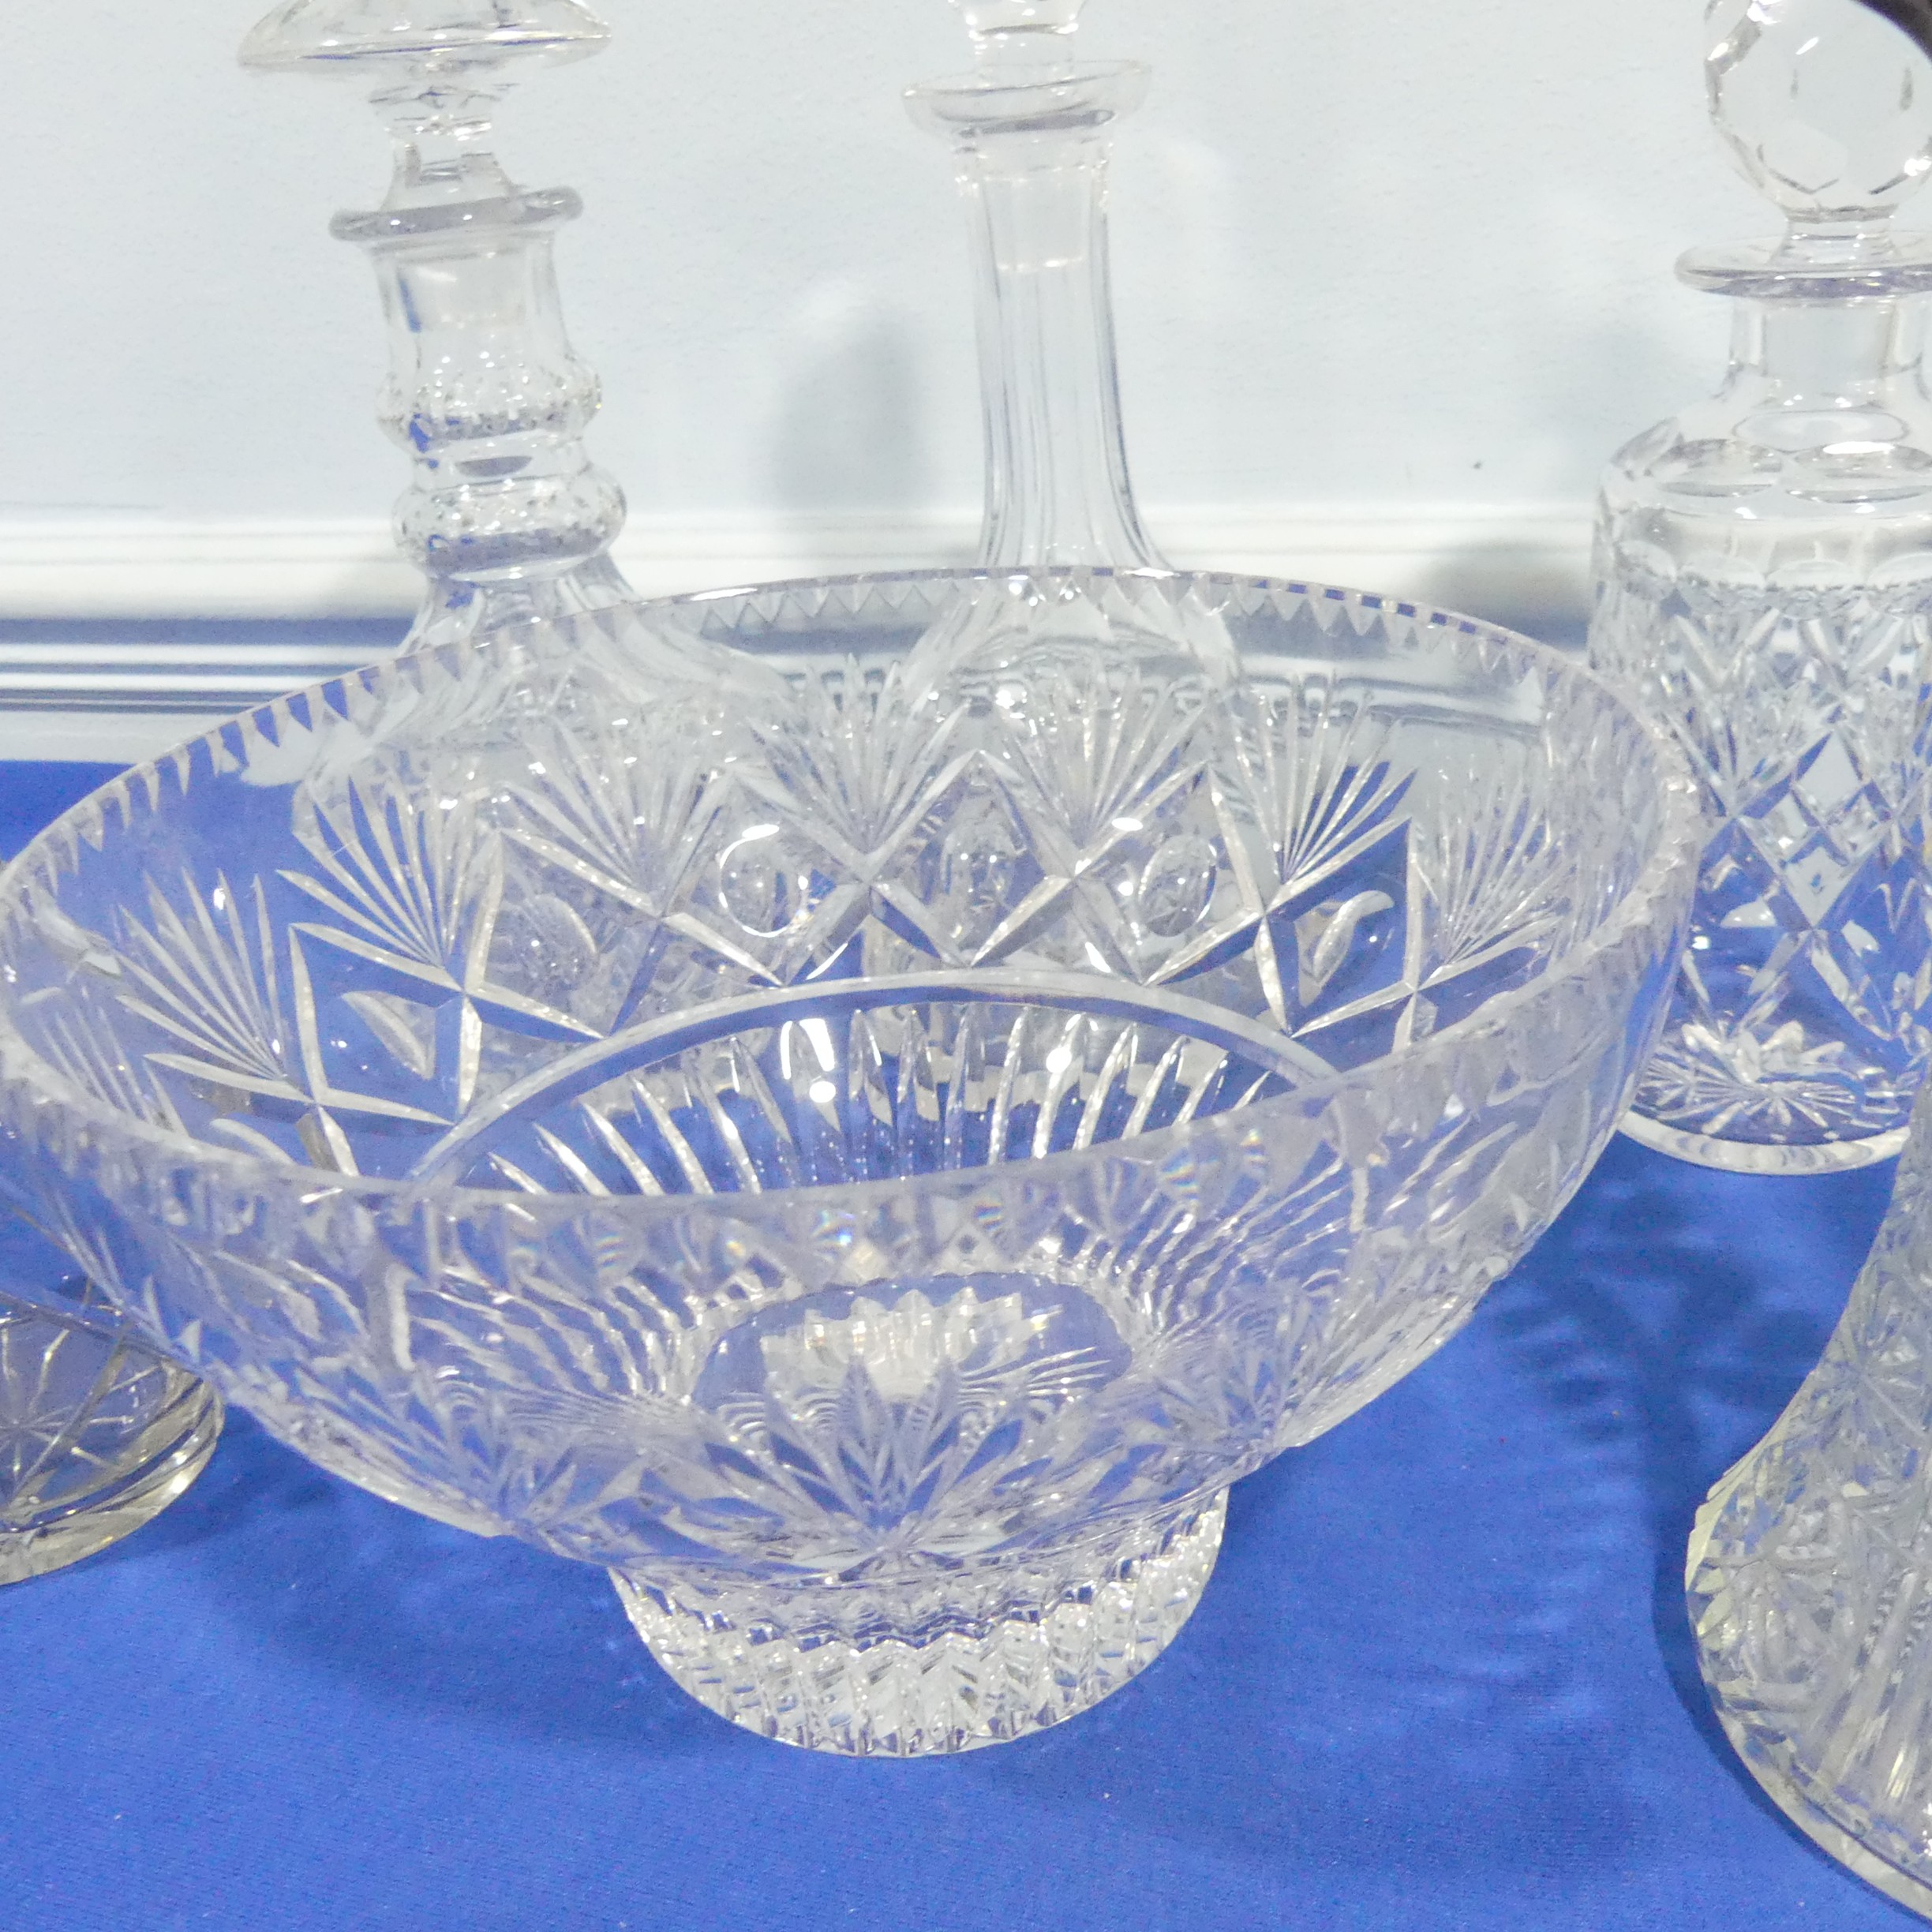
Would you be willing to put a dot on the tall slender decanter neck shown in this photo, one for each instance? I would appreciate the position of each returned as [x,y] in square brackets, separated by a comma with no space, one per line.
[1032,130]
[506,515]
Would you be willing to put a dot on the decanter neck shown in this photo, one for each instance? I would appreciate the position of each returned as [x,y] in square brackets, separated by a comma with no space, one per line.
[1031,133]
[506,515]
[444,140]
[1825,354]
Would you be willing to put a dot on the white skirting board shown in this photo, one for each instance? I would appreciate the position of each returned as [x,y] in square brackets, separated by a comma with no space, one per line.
[119,638]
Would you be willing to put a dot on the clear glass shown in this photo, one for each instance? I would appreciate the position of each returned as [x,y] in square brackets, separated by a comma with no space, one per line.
[98,1434]
[867,1158]
[1808,1573]
[1764,583]
[506,515]
[1031,127]
[860,1106]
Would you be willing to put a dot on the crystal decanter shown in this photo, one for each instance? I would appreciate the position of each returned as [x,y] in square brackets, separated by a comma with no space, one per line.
[506,515]
[1764,581]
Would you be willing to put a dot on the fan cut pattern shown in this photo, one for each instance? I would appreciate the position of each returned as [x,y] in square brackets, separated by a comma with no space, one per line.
[865,1154]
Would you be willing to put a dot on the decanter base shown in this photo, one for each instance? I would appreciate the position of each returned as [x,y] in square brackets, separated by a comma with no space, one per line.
[1762,1157]
[97,1437]
[1830,1837]
[1764,1721]
[913,1673]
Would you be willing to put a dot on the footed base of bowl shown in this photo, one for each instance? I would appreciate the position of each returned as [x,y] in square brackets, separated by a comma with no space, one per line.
[97,1436]
[905,1674]
[1762,1157]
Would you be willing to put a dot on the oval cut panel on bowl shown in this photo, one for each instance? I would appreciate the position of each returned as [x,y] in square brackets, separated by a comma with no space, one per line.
[860,1106]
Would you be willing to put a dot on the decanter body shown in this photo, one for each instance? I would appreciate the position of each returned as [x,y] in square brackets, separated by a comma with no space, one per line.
[1764,572]
[506,515]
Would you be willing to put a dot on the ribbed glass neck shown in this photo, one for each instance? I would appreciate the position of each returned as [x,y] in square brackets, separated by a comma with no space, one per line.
[1031,142]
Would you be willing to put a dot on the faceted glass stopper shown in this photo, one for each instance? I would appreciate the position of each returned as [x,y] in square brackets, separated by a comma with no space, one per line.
[303,31]
[1825,105]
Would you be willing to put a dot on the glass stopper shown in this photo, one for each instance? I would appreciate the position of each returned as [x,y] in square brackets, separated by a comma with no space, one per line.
[1013,37]
[1824,107]
[451,32]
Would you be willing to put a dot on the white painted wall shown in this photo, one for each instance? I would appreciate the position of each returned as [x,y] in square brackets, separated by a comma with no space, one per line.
[1405,258]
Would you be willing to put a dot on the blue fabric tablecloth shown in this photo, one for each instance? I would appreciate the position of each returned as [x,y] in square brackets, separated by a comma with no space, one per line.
[1441,1678]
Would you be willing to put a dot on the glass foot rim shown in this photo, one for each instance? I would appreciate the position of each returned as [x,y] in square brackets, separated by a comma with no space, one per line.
[1762,1157]
[1823,1830]
[954,1692]
[54,1542]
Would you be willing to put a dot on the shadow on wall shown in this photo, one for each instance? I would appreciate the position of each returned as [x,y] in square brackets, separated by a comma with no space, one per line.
[850,421]
[1535,579]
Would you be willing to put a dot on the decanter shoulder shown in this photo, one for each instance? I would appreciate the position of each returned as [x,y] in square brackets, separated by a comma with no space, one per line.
[1761,456]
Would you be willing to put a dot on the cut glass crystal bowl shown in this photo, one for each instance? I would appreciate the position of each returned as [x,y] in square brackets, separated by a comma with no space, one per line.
[861,1106]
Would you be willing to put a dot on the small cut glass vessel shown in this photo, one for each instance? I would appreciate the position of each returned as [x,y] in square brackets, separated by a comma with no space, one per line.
[1808,1573]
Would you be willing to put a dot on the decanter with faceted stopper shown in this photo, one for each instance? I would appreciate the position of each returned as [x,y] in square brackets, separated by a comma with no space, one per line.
[1764,581]
[506,515]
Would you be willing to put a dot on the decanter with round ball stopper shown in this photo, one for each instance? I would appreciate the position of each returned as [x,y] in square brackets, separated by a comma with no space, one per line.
[1764,583]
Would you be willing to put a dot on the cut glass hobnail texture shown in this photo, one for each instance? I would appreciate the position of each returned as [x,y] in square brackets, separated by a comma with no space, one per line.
[1809,1569]
[867,1154]
[1764,581]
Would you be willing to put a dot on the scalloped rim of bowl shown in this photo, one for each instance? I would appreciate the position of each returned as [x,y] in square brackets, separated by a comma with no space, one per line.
[1671,871]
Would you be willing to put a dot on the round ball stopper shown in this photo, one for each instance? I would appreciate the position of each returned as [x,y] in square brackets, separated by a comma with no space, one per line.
[1825,105]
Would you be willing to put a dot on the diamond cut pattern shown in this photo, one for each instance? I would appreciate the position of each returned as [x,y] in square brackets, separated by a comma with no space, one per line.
[1801,1014]
[831,1123]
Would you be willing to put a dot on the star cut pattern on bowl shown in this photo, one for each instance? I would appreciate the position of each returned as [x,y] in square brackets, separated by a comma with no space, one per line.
[867,1158]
